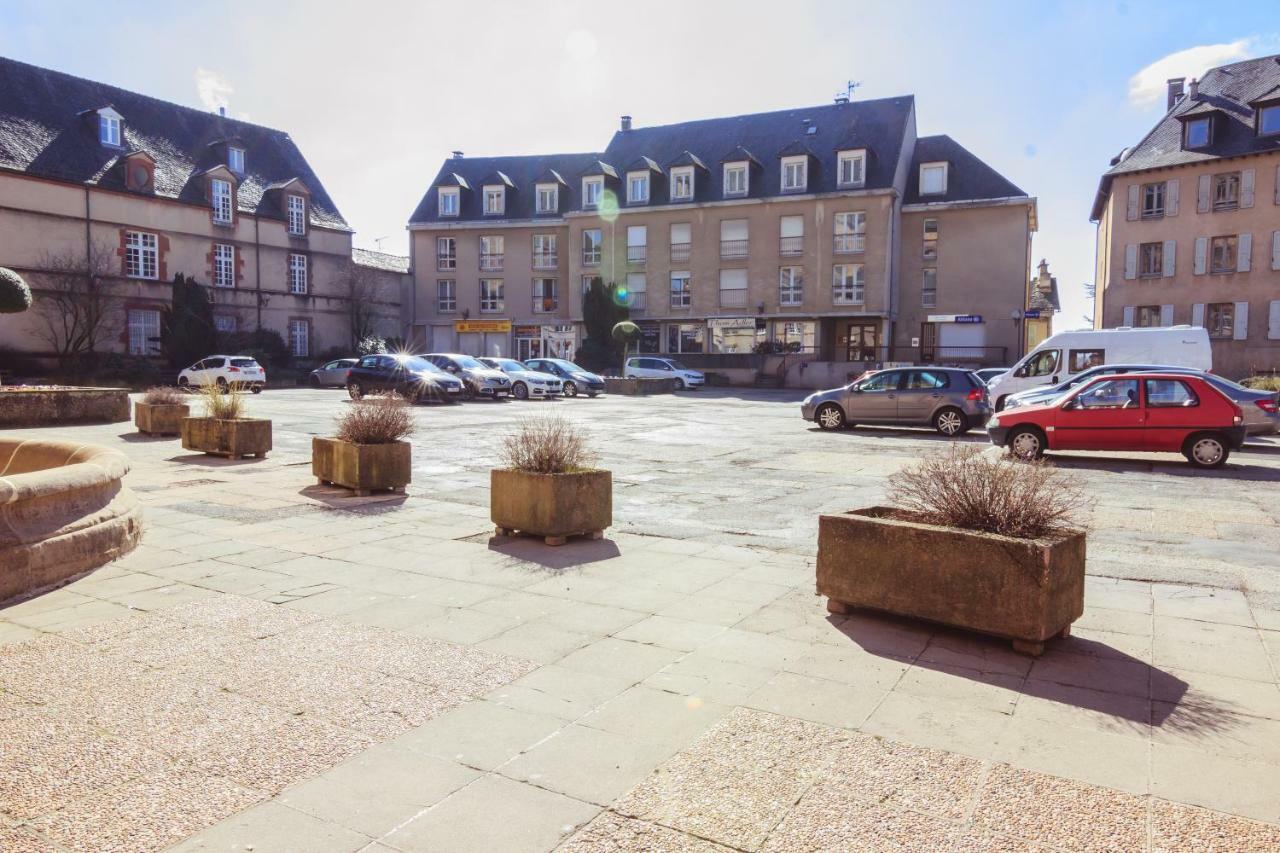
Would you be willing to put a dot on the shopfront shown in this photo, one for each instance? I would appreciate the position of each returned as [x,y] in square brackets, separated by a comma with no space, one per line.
[543,342]
[483,337]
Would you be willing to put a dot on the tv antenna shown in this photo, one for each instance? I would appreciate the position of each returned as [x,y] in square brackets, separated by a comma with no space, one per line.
[847,95]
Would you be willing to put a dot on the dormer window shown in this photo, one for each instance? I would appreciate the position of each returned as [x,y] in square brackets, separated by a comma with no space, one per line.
[853,168]
[1197,133]
[548,198]
[795,174]
[495,200]
[220,194]
[933,178]
[1269,120]
[735,179]
[235,160]
[637,187]
[448,198]
[110,128]
[592,192]
[682,183]
[297,215]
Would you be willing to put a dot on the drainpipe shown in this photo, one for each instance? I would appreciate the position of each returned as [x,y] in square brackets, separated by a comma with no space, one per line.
[257,270]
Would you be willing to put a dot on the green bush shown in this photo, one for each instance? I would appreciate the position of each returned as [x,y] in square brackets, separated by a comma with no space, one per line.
[15,296]
[1263,383]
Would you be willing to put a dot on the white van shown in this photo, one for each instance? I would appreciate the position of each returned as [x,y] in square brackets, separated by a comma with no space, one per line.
[1061,356]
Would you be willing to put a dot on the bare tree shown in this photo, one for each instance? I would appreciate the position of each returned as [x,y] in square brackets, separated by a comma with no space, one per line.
[362,290]
[74,304]
[1090,293]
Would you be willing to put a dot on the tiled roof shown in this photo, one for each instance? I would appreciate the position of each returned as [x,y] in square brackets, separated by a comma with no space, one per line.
[1045,300]
[380,260]
[46,129]
[523,172]
[968,178]
[1229,90]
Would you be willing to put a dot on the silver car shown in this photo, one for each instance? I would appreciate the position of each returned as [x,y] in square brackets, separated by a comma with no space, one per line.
[332,374]
[479,379]
[525,383]
[950,399]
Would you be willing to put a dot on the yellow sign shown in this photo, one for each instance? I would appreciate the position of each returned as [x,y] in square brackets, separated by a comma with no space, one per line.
[482,325]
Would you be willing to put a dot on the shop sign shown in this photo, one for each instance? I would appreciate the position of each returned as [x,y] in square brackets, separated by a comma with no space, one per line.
[482,325]
[528,331]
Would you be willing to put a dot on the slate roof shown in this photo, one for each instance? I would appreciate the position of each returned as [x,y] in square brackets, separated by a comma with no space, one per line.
[1045,300]
[380,260]
[968,178]
[42,132]
[524,173]
[1229,89]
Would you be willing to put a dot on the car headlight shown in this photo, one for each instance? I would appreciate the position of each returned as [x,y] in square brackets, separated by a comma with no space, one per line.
[994,422]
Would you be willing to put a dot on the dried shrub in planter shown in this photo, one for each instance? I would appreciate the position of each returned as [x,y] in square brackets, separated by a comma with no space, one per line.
[381,420]
[164,395]
[220,404]
[550,445]
[966,488]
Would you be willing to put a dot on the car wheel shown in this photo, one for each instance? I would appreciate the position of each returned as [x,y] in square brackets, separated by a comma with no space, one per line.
[1207,450]
[222,384]
[355,391]
[469,391]
[1026,443]
[951,422]
[257,389]
[830,417]
[182,382]
[314,382]
[520,391]
[592,394]
[570,389]
[681,385]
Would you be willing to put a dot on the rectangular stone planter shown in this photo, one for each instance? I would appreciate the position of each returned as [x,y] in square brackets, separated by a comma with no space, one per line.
[234,439]
[638,387]
[1027,590]
[553,506]
[362,467]
[57,406]
[159,420]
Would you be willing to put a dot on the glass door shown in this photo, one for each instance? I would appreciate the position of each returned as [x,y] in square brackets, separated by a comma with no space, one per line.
[864,341]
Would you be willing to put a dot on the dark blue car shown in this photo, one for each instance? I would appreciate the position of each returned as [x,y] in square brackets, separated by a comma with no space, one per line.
[576,379]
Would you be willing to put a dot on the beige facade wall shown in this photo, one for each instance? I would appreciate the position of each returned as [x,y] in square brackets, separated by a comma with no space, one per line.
[1178,288]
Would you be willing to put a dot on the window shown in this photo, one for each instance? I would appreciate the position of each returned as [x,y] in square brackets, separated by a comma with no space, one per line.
[592,192]
[448,200]
[491,293]
[1226,191]
[141,255]
[791,235]
[682,183]
[847,284]
[1147,316]
[1170,394]
[637,290]
[853,168]
[446,253]
[851,232]
[588,281]
[929,288]
[545,256]
[591,247]
[795,174]
[930,239]
[882,382]
[1269,120]
[224,265]
[733,288]
[235,161]
[637,187]
[933,178]
[220,191]
[926,380]
[297,273]
[734,238]
[790,285]
[297,215]
[1043,363]
[686,337]
[446,296]
[1220,319]
[300,338]
[1083,359]
[544,296]
[495,200]
[637,244]
[680,237]
[109,129]
[548,198]
[1153,200]
[1151,260]
[1197,133]
[225,323]
[735,179]
[144,332]
[492,252]
[1109,394]
[1222,255]
[680,292]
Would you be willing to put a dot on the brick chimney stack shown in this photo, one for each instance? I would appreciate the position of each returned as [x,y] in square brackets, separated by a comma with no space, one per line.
[1175,91]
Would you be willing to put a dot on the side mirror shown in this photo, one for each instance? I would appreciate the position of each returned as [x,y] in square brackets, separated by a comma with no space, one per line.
[1054,380]
[1070,405]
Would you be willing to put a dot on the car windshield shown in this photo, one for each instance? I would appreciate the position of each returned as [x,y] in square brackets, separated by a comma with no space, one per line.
[243,362]
[466,362]
[416,364]
[1226,386]
[507,364]
[567,365]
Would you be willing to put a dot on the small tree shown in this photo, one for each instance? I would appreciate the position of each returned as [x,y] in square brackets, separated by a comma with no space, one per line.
[187,333]
[602,310]
[76,311]
[362,290]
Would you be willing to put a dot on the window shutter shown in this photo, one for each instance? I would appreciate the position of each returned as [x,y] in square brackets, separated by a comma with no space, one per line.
[1197,314]
[1273,321]
[1134,189]
[1171,198]
[1242,321]
[1275,250]
[1131,261]
[1277,184]
[1128,316]
[1166,315]
[1202,250]
[1170,263]
[1246,187]
[1202,195]
[1244,251]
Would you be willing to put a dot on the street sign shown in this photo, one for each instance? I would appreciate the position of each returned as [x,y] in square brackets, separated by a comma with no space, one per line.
[968,318]
[1031,314]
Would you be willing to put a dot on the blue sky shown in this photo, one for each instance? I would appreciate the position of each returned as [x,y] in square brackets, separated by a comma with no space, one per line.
[1047,93]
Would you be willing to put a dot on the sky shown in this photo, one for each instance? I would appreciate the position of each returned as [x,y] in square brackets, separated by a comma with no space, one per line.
[376,94]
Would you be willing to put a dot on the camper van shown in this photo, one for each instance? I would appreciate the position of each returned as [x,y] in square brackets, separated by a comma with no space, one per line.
[1061,356]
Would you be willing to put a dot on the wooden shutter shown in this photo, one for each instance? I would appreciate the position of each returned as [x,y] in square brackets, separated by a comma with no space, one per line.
[1166,315]
[1134,190]
[1170,263]
[1171,198]
[1128,316]
[1273,321]
[1246,187]
[1202,194]
[1275,250]
[1131,261]
[1241,331]
[1202,252]
[1197,314]
[1244,251]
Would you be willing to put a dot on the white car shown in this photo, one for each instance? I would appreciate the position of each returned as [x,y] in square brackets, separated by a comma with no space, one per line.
[651,367]
[225,371]
[525,382]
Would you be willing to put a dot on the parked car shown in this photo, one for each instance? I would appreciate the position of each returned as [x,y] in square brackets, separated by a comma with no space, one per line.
[987,374]
[574,379]
[1067,354]
[525,383]
[652,367]
[951,399]
[478,379]
[332,374]
[1147,411]
[225,371]
[411,377]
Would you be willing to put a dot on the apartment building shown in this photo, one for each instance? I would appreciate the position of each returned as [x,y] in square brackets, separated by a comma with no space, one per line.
[1189,218]
[105,188]
[829,231]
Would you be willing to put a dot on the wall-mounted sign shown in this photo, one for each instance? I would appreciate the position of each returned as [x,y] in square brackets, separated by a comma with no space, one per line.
[528,331]
[482,325]
[954,318]
[968,318]
[1031,314]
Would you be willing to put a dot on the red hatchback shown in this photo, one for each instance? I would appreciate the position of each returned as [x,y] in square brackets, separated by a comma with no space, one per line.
[1158,412]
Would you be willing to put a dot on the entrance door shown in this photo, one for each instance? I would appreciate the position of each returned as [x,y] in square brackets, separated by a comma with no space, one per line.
[864,342]
[928,343]
[527,348]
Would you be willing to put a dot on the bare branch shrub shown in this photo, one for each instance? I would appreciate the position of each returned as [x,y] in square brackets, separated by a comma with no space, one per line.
[76,309]
[380,420]
[547,445]
[164,395]
[222,404]
[966,488]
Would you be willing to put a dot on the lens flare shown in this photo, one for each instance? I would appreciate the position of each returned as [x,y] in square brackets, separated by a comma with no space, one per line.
[609,206]
[622,296]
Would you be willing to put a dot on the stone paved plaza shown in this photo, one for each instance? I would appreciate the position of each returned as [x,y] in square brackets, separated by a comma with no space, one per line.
[283,667]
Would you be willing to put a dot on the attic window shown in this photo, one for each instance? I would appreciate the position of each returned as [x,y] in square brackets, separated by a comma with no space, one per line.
[795,173]
[1197,133]
[548,198]
[297,215]
[109,128]
[235,160]
[448,201]
[220,191]
[1269,120]
[495,200]
[592,192]
[853,168]
[735,178]
[637,187]
[933,178]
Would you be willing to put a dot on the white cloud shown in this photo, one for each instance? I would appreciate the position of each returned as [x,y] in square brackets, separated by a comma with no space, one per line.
[1147,87]
[214,89]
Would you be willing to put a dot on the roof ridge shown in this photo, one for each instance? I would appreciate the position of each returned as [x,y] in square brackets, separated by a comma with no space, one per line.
[772,112]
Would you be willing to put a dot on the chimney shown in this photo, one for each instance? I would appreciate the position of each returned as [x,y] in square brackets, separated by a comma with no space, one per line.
[842,98]
[1193,88]
[222,111]
[626,123]
[457,155]
[1175,91]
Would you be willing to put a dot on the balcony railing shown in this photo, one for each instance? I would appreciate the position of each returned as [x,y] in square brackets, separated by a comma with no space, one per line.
[637,254]
[545,261]
[790,298]
[733,249]
[791,246]
[929,299]
[847,296]
[491,262]
[850,243]
[545,304]
[679,253]
[733,298]
[681,298]
[590,258]
[444,264]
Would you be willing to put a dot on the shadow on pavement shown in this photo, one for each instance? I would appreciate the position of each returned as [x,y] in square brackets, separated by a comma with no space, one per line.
[1233,470]
[920,433]
[206,460]
[337,497]
[576,552]
[143,438]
